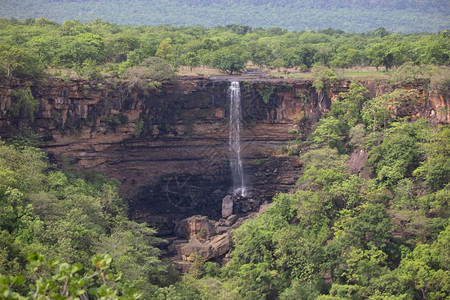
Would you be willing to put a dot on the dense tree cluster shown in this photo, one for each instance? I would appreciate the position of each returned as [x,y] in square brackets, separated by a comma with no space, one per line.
[73,222]
[31,46]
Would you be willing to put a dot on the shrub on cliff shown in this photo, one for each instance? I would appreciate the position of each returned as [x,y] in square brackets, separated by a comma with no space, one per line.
[24,105]
[409,73]
[324,78]
[440,81]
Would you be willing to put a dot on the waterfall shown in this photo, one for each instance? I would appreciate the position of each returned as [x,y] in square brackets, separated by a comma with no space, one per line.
[237,171]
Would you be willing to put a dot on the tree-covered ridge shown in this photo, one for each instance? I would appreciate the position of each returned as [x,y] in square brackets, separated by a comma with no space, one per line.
[400,4]
[353,16]
[101,48]
[328,4]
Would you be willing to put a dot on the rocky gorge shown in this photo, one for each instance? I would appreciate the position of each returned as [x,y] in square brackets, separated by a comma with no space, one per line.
[168,143]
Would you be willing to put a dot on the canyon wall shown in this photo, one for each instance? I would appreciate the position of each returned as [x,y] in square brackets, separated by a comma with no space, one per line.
[168,144]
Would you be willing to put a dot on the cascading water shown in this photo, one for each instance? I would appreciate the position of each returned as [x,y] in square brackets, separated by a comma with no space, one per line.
[237,170]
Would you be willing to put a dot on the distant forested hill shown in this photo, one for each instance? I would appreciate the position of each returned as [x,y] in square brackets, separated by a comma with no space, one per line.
[349,15]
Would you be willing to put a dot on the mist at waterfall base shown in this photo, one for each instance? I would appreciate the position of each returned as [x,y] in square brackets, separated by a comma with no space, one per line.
[237,170]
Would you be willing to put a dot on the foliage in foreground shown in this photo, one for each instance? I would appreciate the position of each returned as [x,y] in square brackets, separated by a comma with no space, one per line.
[73,222]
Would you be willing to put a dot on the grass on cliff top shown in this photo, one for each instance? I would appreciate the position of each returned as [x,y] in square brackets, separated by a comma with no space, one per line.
[368,73]
[199,71]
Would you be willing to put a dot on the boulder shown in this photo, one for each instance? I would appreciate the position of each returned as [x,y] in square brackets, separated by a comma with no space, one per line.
[231,220]
[222,229]
[357,160]
[185,250]
[195,227]
[220,245]
[227,206]
[172,247]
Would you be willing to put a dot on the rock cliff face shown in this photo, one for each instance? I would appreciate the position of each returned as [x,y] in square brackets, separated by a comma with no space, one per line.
[169,145]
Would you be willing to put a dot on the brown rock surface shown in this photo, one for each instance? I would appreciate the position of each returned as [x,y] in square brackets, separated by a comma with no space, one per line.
[187,249]
[221,244]
[231,220]
[357,160]
[227,206]
[195,227]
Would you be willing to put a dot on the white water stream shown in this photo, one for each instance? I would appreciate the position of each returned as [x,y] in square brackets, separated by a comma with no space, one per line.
[237,170]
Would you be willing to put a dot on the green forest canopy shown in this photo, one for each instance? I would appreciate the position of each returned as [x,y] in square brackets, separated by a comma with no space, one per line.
[30,46]
[352,16]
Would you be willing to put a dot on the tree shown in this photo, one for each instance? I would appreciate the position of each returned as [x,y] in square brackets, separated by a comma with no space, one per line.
[229,59]
[191,60]
[435,171]
[426,269]
[299,56]
[43,22]
[376,112]
[349,105]
[45,47]
[408,73]
[75,50]
[324,78]
[380,32]
[72,28]
[347,57]
[380,54]
[261,54]
[64,281]
[130,246]
[117,48]
[24,105]
[398,155]
[328,131]
[69,219]
[434,50]
[366,227]
[165,50]
[18,62]
[209,44]
[298,253]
